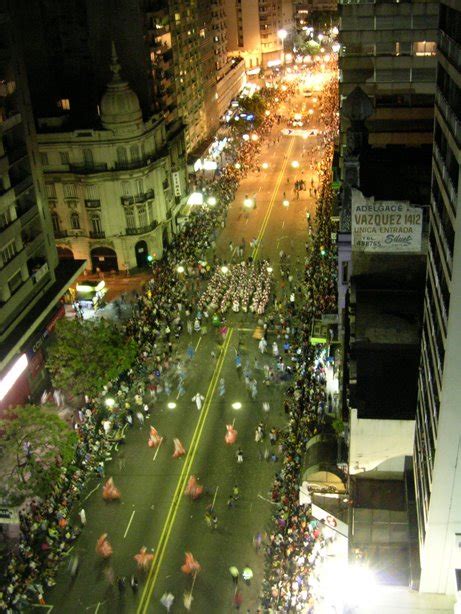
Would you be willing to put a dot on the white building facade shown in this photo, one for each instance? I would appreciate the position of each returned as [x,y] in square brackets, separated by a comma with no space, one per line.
[115,193]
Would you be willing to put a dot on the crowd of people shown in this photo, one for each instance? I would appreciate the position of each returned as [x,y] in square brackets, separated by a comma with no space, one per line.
[297,541]
[47,527]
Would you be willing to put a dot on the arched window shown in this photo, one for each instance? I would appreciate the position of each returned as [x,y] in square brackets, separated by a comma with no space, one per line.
[56,223]
[121,156]
[134,153]
[130,219]
[75,221]
[88,157]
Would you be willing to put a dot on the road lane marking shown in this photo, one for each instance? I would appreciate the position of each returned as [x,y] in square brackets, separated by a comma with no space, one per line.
[91,492]
[179,491]
[198,343]
[129,524]
[272,201]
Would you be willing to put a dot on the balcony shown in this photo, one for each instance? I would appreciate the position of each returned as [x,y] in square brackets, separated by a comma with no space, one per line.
[28,215]
[450,48]
[60,234]
[97,234]
[140,230]
[23,185]
[88,169]
[126,166]
[34,243]
[140,198]
[449,115]
[441,167]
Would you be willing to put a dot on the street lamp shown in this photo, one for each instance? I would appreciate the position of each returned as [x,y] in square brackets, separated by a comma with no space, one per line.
[248,202]
[211,200]
[282,34]
[246,137]
[269,269]
[295,164]
[171,405]
[237,405]
[225,269]
[180,269]
[265,165]
[285,202]
[109,403]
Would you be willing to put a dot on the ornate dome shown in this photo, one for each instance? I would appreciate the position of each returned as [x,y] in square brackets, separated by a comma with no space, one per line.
[119,106]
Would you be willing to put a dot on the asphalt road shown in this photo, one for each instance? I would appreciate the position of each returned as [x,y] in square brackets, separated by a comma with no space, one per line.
[153,511]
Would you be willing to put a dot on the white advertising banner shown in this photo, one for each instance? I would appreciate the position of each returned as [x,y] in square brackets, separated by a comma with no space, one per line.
[386,226]
[176,183]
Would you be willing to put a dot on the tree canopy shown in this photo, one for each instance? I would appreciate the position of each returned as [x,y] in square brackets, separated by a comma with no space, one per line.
[87,354]
[36,444]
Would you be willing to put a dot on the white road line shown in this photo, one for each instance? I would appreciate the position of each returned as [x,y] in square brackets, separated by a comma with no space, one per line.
[90,493]
[198,343]
[156,451]
[97,608]
[129,524]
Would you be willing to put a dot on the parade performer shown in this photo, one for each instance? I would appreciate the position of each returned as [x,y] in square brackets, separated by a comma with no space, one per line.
[144,559]
[231,435]
[110,492]
[154,438]
[178,448]
[193,489]
[190,564]
[103,547]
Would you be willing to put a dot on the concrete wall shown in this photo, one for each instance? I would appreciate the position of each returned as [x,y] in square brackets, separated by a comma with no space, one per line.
[372,442]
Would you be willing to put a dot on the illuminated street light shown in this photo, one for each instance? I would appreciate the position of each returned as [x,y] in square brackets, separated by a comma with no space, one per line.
[295,164]
[248,202]
[336,47]
[265,165]
[311,112]
[285,202]
[282,34]
[171,405]
[246,137]
[237,165]
[225,269]
[110,403]
[254,137]
[269,269]
[267,113]
[237,405]
[180,269]
[211,200]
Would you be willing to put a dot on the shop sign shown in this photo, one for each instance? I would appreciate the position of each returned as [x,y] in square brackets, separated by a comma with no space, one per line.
[45,332]
[176,183]
[329,520]
[9,515]
[386,226]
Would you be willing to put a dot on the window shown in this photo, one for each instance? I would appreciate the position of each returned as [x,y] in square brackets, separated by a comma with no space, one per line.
[91,192]
[64,104]
[8,252]
[4,218]
[139,187]
[150,212]
[56,223]
[134,153]
[96,224]
[64,155]
[344,272]
[50,190]
[130,219]
[75,221]
[121,156]
[142,215]
[44,159]
[88,157]
[15,281]
[126,188]
[424,48]
[70,190]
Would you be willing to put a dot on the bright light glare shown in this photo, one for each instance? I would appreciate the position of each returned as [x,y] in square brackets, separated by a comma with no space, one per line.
[237,405]
[237,165]
[246,137]
[285,202]
[282,34]
[211,200]
[8,381]
[295,164]
[180,269]
[265,165]
[254,137]
[109,402]
[248,202]
[196,198]
[336,47]
[225,269]
[171,405]
[269,269]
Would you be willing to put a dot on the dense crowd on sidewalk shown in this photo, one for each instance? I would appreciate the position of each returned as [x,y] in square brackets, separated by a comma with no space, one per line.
[47,530]
[297,541]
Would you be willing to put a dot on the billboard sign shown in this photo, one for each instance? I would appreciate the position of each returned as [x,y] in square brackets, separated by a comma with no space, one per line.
[386,226]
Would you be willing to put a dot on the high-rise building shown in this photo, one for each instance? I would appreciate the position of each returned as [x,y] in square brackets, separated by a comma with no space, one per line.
[253,28]
[173,53]
[32,281]
[437,453]
[388,49]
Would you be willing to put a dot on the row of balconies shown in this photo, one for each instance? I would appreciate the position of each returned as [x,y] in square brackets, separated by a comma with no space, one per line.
[140,198]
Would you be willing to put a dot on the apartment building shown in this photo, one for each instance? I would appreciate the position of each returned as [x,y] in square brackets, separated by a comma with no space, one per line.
[389,50]
[437,452]
[32,281]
